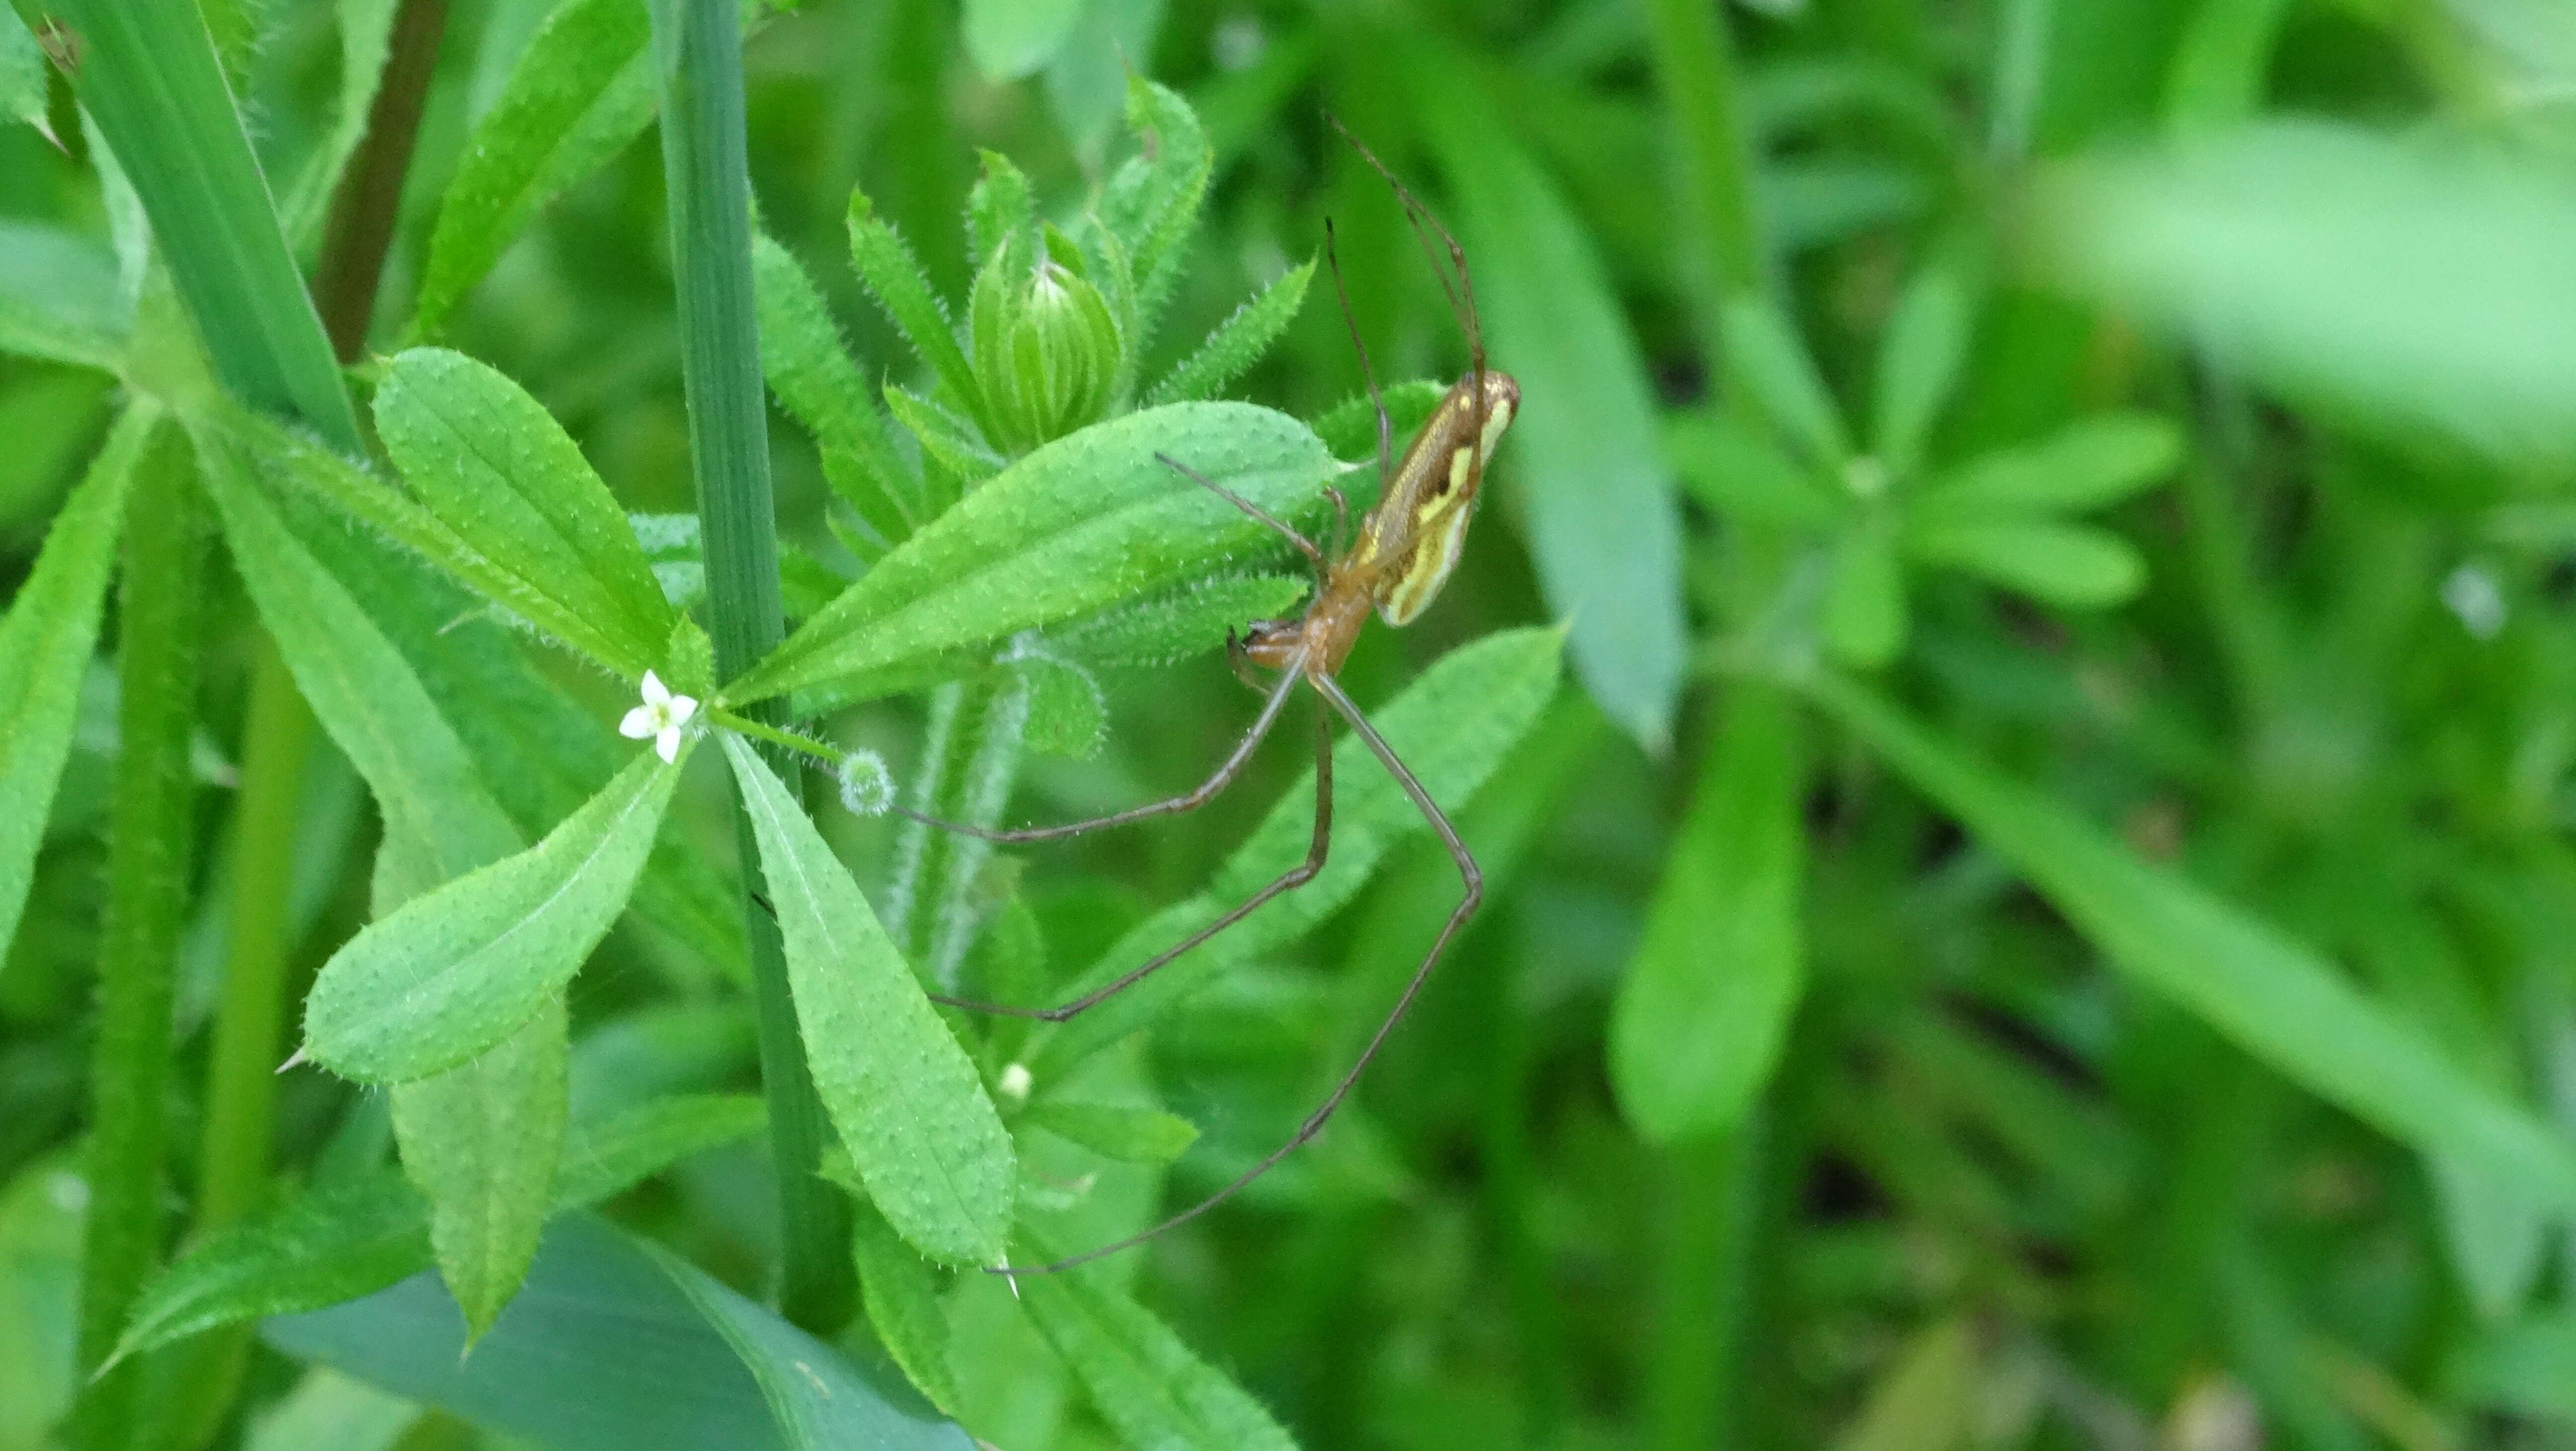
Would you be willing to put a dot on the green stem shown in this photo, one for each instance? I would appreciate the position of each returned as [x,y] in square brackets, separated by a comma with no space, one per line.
[763,731]
[970,754]
[151,828]
[705,164]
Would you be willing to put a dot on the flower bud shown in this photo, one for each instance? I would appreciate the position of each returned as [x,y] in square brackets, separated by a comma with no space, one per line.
[1045,349]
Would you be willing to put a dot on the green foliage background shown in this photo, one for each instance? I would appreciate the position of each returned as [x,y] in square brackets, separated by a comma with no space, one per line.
[2037,912]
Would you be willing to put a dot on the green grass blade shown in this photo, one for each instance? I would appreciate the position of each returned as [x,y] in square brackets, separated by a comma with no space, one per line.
[150,78]
[2274,998]
[45,645]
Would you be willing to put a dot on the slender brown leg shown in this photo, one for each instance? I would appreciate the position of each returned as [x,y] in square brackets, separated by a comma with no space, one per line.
[1305,546]
[1368,375]
[1287,881]
[1190,800]
[1468,900]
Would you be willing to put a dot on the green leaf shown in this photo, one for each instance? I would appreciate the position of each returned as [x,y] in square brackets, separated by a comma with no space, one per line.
[1864,619]
[1008,39]
[1150,204]
[327,1408]
[1926,1399]
[1238,342]
[59,297]
[22,77]
[1918,363]
[1603,525]
[2407,283]
[512,486]
[1704,1009]
[2074,565]
[46,642]
[480,1142]
[899,285]
[950,441]
[1349,428]
[663,1356]
[1129,1135]
[1738,474]
[1765,358]
[438,815]
[810,370]
[901,1292]
[366,38]
[1067,715]
[1138,1374]
[580,92]
[1180,624]
[998,208]
[1083,523]
[2527,1367]
[451,973]
[352,1237]
[903,1094]
[1453,727]
[2266,993]
[2089,464]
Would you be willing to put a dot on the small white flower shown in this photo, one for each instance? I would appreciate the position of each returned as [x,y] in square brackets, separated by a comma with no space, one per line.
[663,716]
[1016,1082]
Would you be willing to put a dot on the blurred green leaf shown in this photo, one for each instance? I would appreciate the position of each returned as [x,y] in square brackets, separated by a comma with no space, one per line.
[901,1292]
[2089,464]
[512,487]
[454,971]
[22,76]
[1067,715]
[1238,342]
[2527,1368]
[1349,429]
[1918,364]
[664,1357]
[1138,1374]
[1129,1135]
[579,93]
[1087,521]
[902,1093]
[2074,565]
[1604,528]
[59,295]
[46,641]
[1765,358]
[327,1408]
[1864,618]
[1740,475]
[2272,997]
[365,33]
[1704,1009]
[1008,39]
[1927,1397]
[480,1142]
[2401,282]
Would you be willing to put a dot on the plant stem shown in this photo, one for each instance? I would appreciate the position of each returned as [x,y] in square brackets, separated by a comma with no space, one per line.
[1713,147]
[698,44]
[970,753]
[150,834]
[1706,1278]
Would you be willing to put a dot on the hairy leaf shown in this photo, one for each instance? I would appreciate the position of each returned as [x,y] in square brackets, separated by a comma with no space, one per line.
[1239,341]
[480,1142]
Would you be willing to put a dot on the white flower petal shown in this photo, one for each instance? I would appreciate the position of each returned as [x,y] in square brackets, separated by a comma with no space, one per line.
[639,723]
[667,745]
[655,692]
[681,708]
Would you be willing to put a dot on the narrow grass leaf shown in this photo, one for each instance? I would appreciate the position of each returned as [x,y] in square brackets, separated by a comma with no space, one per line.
[451,973]
[1138,1374]
[2089,464]
[902,1093]
[1238,342]
[901,1292]
[580,92]
[59,298]
[1453,727]
[810,370]
[663,1357]
[1765,358]
[1603,525]
[1084,523]
[46,641]
[1704,1009]
[350,1238]
[2271,996]
[510,484]
[894,277]
[1008,39]
[435,807]
[480,1142]
[1918,363]
[2074,565]
[1114,1131]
